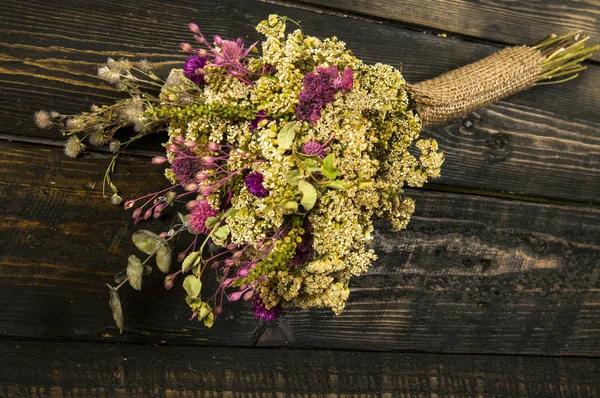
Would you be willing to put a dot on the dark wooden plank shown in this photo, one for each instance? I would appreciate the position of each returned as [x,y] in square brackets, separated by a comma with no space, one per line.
[471,274]
[103,370]
[541,143]
[512,22]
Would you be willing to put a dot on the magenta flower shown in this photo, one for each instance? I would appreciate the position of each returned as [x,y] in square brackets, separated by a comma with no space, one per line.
[254,183]
[320,89]
[186,167]
[198,216]
[194,69]
[261,312]
[225,53]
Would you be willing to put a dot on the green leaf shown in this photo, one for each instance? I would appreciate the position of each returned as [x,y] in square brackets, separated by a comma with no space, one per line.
[181,218]
[192,286]
[191,260]
[147,241]
[163,258]
[134,272]
[115,306]
[209,320]
[230,212]
[292,176]
[338,185]
[211,222]
[309,194]
[285,138]
[221,233]
[328,168]
[288,205]
[203,311]
[312,165]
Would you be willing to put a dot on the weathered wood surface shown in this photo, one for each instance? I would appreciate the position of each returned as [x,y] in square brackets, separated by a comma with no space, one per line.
[471,274]
[103,370]
[511,22]
[543,143]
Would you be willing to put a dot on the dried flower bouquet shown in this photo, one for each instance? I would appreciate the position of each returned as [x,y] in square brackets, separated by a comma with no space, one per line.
[284,155]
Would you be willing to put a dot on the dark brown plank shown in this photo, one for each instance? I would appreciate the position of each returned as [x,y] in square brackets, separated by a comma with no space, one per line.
[103,370]
[542,143]
[471,274]
[512,22]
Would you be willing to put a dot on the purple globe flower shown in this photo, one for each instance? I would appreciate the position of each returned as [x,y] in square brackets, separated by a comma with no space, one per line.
[314,148]
[254,183]
[192,66]
[261,312]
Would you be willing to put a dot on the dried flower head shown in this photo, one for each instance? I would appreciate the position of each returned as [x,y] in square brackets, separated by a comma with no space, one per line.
[43,119]
[73,146]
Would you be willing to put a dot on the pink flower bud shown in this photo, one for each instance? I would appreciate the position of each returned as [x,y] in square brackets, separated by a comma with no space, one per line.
[235,296]
[194,28]
[248,295]
[205,190]
[227,282]
[231,247]
[243,272]
[169,281]
[172,148]
[212,146]
[129,204]
[229,261]
[137,212]
[200,72]
[218,41]
[181,256]
[164,235]
[148,214]
[218,309]
[192,203]
[237,254]
[186,47]
[178,140]
[201,176]
[192,187]
[202,52]
[189,144]
[194,316]
[158,160]
[207,160]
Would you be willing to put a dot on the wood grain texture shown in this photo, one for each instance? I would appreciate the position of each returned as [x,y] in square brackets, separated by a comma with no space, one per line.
[471,274]
[511,22]
[109,370]
[543,143]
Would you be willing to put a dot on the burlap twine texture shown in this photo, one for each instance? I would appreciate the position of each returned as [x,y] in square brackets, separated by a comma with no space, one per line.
[465,89]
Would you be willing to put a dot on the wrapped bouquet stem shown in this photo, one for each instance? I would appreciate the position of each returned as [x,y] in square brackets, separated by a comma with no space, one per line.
[280,156]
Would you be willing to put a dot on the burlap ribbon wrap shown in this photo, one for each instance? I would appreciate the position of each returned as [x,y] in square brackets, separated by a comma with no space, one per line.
[465,89]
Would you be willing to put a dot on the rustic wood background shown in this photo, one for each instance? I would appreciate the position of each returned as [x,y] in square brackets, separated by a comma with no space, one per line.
[493,290]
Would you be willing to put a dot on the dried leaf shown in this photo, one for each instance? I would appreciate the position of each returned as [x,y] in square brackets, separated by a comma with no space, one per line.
[328,168]
[135,268]
[191,260]
[285,138]
[121,276]
[309,194]
[292,176]
[115,306]
[147,241]
[163,258]
[211,222]
[203,311]
[209,320]
[221,233]
[288,205]
[192,286]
